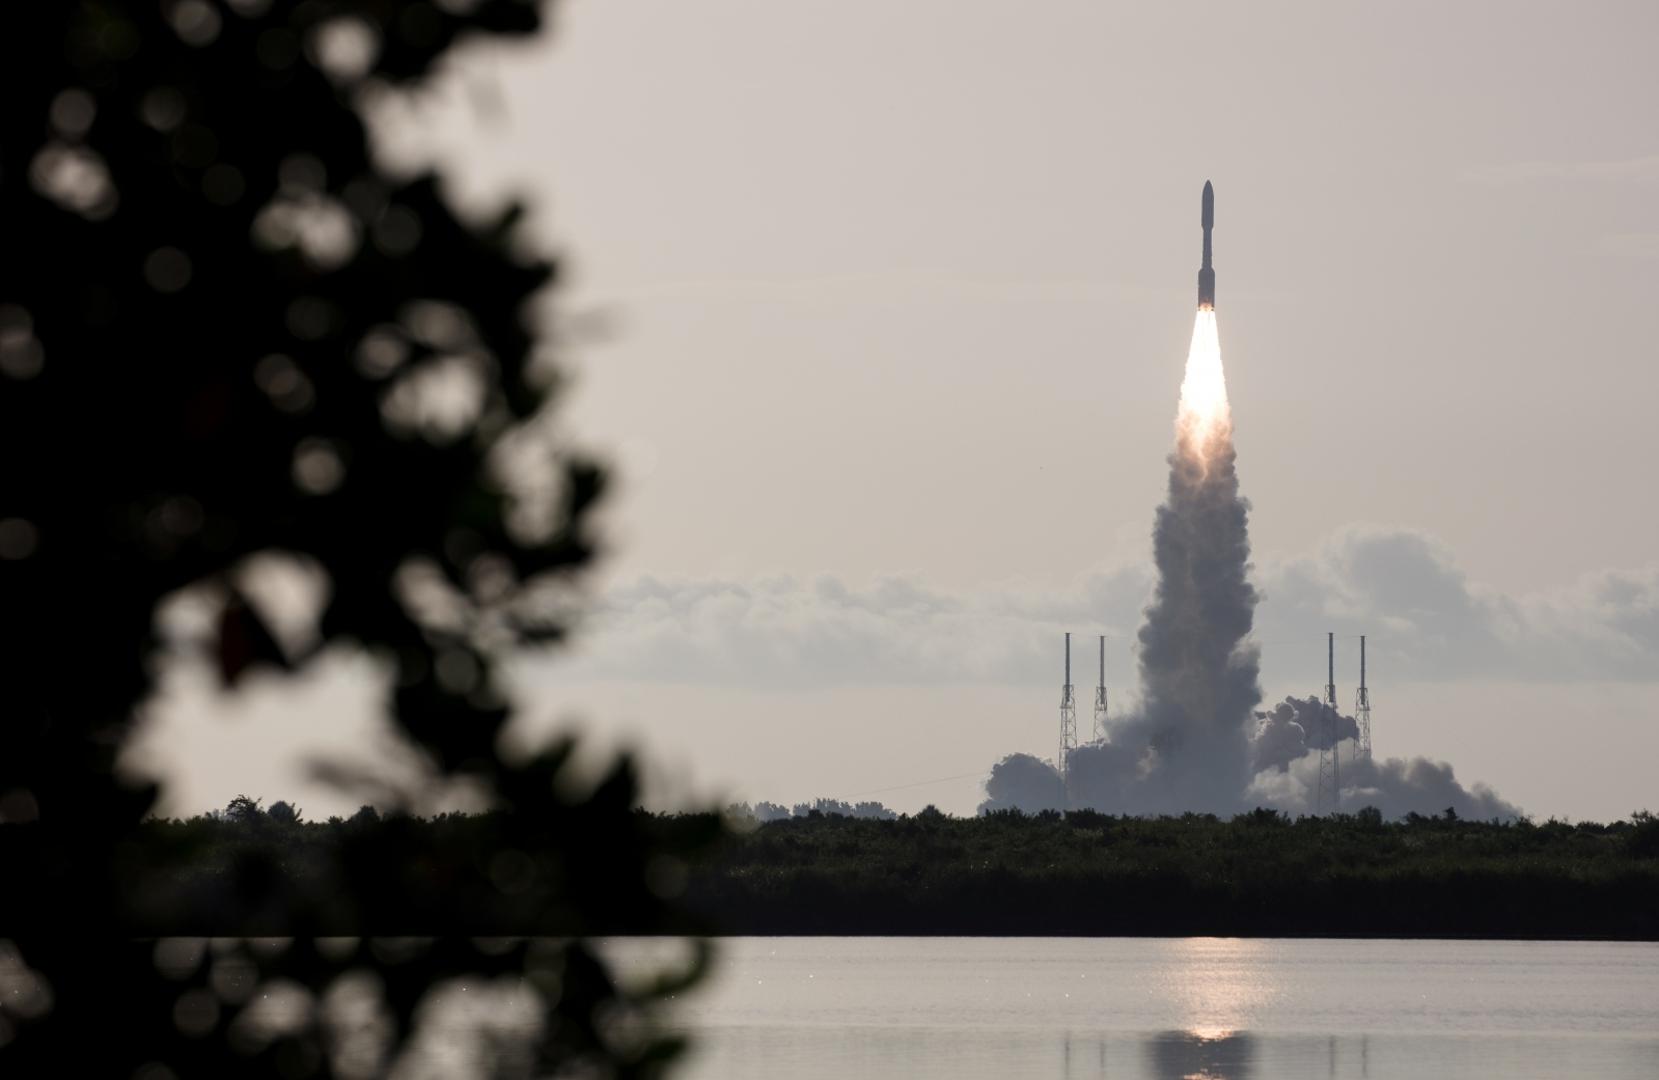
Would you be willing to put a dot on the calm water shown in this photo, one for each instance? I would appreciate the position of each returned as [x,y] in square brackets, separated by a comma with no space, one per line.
[869,1008]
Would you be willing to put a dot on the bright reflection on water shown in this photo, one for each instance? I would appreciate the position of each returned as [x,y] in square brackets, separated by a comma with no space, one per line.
[870,1008]
[1217,984]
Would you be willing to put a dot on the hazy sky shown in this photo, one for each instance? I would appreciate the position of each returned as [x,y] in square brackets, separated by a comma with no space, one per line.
[895,299]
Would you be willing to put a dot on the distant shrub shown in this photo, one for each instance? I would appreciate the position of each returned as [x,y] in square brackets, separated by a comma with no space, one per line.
[1261,815]
[284,813]
[245,811]
[1643,839]
[1086,819]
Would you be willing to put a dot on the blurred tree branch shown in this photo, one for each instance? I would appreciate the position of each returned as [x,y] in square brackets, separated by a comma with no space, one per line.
[226,332]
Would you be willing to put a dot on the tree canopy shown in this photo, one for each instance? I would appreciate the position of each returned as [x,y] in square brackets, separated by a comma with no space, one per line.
[231,340]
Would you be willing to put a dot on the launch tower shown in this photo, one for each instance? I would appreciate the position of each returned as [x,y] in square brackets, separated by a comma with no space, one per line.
[1328,799]
[1068,720]
[1362,707]
[1100,697]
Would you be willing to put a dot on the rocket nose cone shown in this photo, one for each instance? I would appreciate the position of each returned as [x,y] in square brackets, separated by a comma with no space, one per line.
[1209,205]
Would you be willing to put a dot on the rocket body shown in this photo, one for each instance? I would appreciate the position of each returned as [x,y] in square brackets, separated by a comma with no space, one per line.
[1206,273]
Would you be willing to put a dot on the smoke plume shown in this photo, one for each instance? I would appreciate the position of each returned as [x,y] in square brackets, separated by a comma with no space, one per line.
[1396,786]
[1188,746]
[1293,728]
[1197,741]
[1022,782]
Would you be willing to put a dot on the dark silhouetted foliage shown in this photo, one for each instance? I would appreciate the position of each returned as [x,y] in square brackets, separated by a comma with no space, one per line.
[1260,874]
[492,874]
[1005,872]
[1644,835]
[219,324]
[285,813]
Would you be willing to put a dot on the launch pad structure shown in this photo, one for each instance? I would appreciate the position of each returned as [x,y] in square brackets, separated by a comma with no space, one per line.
[1362,708]
[1328,796]
[1328,793]
[1068,716]
[1099,733]
[1068,721]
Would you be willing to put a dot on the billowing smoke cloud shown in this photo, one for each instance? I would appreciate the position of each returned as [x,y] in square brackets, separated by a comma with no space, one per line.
[1293,728]
[1188,746]
[1396,787]
[1120,778]
[1197,741]
[1022,782]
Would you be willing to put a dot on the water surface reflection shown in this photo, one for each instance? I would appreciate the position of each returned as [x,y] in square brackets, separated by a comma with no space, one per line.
[1194,1055]
[1173,1009]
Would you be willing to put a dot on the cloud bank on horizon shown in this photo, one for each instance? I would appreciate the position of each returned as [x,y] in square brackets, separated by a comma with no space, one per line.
[1426,622]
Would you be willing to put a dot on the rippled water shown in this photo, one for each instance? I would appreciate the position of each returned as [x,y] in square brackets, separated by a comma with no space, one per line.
[867,1008]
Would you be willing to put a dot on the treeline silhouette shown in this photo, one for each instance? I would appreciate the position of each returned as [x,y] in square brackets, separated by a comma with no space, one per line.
[1081,873]
[1258,874]
[596,866]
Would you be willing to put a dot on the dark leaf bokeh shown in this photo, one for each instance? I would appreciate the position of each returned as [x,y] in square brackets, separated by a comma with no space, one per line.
[227,333]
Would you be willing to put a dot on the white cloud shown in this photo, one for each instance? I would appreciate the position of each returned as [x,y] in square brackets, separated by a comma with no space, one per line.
[1425,622]
[793,632]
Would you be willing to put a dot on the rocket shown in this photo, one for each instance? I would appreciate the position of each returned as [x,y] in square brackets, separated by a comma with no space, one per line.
[1206,274]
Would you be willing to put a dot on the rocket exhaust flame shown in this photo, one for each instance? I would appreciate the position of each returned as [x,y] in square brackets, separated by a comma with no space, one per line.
[1204,421]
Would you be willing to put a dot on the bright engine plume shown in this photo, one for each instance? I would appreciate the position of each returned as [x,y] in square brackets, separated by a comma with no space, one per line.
[1204,422]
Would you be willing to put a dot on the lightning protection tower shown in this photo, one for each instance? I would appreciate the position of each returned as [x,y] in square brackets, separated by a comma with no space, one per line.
[1329,796]
[1068,720]
[1362,707]
[1100,697]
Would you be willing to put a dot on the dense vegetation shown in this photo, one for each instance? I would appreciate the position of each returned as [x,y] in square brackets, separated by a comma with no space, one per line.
[1258,874]
[249,871]
[254,872]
